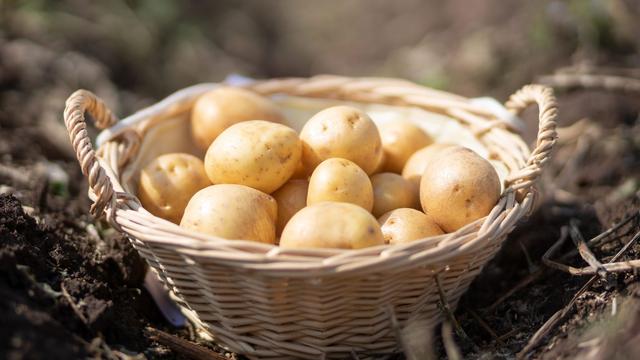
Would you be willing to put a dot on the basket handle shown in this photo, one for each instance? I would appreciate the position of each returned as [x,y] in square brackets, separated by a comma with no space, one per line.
[77,104]
[543,96]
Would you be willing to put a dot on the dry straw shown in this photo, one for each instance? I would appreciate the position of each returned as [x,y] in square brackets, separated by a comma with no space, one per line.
[266,302]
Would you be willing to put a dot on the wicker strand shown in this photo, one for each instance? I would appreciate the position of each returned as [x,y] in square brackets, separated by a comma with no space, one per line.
[126,143]
[78,103]
[547,136]
[367,90]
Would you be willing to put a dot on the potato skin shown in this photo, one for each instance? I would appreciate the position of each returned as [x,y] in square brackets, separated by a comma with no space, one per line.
[414,167]
[458,187]
[404,225]
[257,153]
[342,132]
[391,191]
[168,182]
[340,180]
[220,108]
[300,172]
[234,212]
[291,198]
[400,139]
[331,225]
[380,167]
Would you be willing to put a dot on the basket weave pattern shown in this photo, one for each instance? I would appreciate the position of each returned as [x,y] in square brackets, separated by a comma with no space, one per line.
[267,302]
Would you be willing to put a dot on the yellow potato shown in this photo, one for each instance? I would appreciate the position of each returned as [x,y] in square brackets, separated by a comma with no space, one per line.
[234,212]
[400,139]
[300,172]
[391,191]
[331,225]
[458,187]
[341,132]
[414,167]
[340,180]
[168,182]
[405,225]
[291,197]
[380,167]
[220,108]
[257,153]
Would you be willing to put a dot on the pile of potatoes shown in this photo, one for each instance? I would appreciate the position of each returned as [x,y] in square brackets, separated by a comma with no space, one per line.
[342,182]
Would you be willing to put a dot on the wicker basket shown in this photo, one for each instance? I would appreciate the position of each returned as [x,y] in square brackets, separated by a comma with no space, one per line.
[266,302]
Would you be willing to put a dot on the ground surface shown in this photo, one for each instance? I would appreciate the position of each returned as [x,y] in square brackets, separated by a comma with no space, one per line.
[70,287]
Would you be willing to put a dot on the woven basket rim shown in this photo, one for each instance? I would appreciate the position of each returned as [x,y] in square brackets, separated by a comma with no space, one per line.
[126,214]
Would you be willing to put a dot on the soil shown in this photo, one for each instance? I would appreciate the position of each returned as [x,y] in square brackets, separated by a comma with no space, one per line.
[61,287]
[71,287]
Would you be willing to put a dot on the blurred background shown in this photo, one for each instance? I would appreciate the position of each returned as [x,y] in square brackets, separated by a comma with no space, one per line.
[132,53]
[135,52]
[153,47]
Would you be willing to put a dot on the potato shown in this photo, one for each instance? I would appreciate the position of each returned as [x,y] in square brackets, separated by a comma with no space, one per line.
[458,187]
[257,153]
[340,180]
[331,225]
[234,212]
[220,108]
[414,167]
[168,182]
[391,191]
[405,225]
[291,197]
[400,139]
[380,167]
[300,172]
[341,132]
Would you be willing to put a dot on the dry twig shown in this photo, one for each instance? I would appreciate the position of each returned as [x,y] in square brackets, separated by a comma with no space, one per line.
[544,330]
[445,308]
[73,305]
[591,69]
[182,346]
[584,250]
[509,333]
[530,264]
[595,268]
[595,241]
[591,81]
[485,326]
[450,347]
[519,286]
